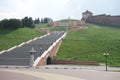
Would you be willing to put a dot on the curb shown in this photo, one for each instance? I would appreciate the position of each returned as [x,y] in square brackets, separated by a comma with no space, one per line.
[23,43]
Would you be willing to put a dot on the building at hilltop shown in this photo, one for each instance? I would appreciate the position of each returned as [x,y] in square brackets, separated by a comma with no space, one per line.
[87,14]
[66,23]
[100,19]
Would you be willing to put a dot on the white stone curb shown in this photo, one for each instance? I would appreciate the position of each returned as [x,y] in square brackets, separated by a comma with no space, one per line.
[2,51]
[11,49]
[27,42]
[21,44]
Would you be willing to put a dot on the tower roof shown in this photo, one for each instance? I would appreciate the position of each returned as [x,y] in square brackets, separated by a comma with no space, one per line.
[87,12]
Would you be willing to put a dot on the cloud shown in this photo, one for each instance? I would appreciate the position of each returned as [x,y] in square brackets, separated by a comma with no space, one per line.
[56,9]
[33,8]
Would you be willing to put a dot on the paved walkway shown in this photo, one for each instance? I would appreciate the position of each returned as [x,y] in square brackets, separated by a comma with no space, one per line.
[84,67]
[58,72]
[36,74]
[6,75]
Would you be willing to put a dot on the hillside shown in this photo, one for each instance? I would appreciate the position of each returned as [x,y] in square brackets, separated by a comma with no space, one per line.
[10,38]
[68,21]
[90,44]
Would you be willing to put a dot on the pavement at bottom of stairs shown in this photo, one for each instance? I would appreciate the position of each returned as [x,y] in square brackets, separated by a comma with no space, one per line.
[23,74]
[59,72]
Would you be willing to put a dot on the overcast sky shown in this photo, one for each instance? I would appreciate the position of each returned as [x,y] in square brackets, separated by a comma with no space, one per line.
[56,9]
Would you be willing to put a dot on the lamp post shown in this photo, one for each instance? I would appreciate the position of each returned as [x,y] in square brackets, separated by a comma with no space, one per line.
[106,56]
[32,53]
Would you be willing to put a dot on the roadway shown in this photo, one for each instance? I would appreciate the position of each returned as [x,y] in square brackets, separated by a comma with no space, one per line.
[21,56]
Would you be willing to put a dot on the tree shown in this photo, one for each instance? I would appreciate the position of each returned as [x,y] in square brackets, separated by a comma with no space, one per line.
[37,21]
[5,24]
[47,20]
[10,24]
[15,23]
[1,25]
[42,20]
[25,22]
[28,22]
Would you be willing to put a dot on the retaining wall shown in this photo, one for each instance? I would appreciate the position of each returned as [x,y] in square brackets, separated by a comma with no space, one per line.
[51,52]
[74,62]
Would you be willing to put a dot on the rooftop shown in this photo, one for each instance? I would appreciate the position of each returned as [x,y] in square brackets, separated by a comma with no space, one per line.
[87,12]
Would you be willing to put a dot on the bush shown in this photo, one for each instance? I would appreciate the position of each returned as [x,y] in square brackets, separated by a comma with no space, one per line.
[10,24]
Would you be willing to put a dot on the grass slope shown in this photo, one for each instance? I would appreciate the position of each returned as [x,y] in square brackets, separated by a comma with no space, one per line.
[10,38]
[41,25]
[68,21]
[90,44]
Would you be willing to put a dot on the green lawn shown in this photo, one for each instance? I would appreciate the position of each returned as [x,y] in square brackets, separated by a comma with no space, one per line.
[41,25]
[10,38]
[90,44]
[68,21]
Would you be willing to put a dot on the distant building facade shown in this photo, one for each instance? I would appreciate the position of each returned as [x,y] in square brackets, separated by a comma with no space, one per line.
[100,19]
[65,24]
[86,15]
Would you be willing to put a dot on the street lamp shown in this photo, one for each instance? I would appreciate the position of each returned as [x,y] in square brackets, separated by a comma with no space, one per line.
[32,53]
[106,56]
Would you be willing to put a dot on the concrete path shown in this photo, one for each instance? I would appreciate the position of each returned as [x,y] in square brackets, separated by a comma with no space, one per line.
[69,73]
[83,67]
[20,56]
[6,75]
[43,75]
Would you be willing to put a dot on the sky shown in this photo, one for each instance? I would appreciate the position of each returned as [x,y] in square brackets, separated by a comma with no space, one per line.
[56,9]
